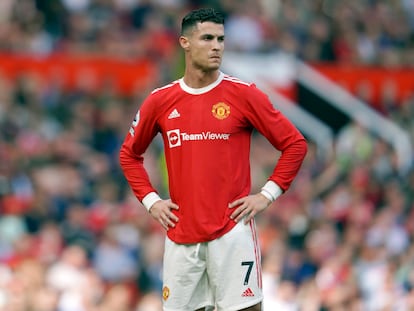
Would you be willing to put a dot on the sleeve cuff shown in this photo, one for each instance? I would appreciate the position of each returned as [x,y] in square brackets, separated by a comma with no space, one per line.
[271,190]
[149,200]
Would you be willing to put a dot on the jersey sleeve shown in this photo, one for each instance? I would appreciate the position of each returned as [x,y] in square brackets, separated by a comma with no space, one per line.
[141,133]
[280,132]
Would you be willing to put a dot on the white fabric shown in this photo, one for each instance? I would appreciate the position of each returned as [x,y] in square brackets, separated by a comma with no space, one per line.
[271,190]
[150,199]
[227,261]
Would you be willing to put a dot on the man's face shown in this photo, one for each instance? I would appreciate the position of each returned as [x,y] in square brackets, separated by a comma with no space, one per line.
[205,45]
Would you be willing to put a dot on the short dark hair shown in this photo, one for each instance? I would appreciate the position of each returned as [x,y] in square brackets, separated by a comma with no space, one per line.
[200,16]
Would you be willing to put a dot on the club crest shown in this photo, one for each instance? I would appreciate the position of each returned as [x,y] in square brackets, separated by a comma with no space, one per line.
[221,111]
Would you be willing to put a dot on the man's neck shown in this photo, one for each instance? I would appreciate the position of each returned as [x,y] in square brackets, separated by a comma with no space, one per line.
[198,79]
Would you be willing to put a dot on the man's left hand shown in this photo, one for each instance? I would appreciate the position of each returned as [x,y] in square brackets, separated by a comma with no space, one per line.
[248,207]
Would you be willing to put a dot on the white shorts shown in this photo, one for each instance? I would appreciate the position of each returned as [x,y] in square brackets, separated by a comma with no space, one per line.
[224,273]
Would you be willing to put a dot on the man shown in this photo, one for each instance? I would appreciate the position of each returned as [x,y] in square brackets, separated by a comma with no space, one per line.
[206,118]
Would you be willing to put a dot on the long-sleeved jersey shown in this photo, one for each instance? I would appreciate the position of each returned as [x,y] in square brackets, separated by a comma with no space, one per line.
[207,135]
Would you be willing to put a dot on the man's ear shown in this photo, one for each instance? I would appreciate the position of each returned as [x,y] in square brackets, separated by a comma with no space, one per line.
[184,42]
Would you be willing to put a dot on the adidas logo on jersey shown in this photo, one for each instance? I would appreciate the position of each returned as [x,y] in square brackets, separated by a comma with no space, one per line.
[174,114]
[248,293]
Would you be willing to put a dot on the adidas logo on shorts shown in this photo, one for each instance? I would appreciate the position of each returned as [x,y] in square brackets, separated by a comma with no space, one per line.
[248,293]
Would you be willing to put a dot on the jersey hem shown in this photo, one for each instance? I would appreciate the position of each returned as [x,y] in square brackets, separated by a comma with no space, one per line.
[211,237]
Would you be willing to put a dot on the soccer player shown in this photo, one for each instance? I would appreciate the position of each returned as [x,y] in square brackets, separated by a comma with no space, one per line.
[206,118]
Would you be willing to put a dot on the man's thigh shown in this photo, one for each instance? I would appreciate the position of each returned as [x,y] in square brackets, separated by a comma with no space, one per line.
[185,281]
[234,269]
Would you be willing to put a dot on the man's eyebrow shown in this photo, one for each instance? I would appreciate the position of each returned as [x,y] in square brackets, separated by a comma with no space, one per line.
[209,35]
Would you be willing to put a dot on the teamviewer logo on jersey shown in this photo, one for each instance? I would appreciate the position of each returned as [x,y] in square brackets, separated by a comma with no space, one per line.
[174,139]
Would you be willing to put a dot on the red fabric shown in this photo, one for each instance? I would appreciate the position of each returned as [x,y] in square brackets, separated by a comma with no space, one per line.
[207,147]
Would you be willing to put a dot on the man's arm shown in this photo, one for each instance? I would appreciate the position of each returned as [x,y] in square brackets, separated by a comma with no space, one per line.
[286,138]
[283,136]
[143,129]
[140,135]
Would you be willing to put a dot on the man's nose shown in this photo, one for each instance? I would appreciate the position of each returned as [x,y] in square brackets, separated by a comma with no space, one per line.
[217,45]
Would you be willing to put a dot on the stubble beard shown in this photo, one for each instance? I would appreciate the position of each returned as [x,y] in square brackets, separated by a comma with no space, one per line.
[207,67]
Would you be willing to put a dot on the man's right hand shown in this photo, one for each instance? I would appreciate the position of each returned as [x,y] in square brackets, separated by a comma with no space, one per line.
[162,212]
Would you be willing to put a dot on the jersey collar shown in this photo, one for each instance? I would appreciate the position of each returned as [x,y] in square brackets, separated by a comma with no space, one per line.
[202,90]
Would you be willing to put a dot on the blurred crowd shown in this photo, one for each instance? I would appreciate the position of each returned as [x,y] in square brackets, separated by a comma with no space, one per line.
[353,31]
[73,237]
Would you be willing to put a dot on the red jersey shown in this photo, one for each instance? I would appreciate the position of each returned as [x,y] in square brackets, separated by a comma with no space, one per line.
[207,135]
